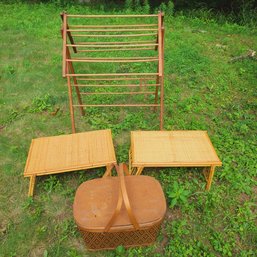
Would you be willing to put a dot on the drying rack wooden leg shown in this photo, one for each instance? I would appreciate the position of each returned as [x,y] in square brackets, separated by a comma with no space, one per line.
[32,183]
[210,177]
[161,103]
[156,93]
[75,84]
[79,100]
[71,106]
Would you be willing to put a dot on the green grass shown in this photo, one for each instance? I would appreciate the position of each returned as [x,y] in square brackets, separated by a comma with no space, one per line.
[203,90]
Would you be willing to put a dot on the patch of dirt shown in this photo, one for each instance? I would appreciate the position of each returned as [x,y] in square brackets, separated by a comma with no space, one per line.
[254,209]
[255,190]
[170,216]
[37,251]
[161,248]
[3,228]
[172,76]
[243,197]
[173,214]
[59,208]
[122,139]
[77,243]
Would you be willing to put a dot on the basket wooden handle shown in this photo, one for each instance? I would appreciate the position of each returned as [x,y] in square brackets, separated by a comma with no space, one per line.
[123,197]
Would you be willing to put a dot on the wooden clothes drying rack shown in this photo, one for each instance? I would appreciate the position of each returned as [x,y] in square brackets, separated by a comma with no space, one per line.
[83,40]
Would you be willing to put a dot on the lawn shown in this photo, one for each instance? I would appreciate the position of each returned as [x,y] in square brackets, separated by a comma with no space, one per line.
[203,91]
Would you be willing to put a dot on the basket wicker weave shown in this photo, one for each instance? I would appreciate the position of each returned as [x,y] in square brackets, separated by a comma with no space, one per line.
[123,210]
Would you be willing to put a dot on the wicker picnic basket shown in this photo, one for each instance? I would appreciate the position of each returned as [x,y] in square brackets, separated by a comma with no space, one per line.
[123,210]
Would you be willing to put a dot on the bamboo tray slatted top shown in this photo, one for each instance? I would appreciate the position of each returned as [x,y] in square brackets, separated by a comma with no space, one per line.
[172,148]
[70,152]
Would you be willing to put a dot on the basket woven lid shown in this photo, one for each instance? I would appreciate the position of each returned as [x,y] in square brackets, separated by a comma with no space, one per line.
[96,200]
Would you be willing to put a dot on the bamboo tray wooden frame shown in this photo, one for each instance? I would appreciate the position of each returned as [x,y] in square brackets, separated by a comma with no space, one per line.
[135,35]
[173,149]
[65,153]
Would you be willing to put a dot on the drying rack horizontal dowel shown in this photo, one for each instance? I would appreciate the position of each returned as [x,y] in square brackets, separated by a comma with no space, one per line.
[118,79]
[111,46]
[118,93]
[111,16]
[115,50]
[110,30]
[114,35]
[113,60]
[115,42]
[110,74]
[114,26]
[118,58]
[116,105]
[120,85]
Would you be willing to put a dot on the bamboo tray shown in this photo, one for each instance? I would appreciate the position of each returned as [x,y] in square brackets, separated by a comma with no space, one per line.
[65,153]
[173,149]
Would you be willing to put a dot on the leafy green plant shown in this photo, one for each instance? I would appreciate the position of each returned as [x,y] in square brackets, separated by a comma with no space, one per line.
[28,203]
[73,253]
[137,4]
[52,184]
[170,9]
[177,194]
[10,70]
[129,4]
[68,228]
[146,7]
[44,103]
[120,250]
[11,117]
[225,247]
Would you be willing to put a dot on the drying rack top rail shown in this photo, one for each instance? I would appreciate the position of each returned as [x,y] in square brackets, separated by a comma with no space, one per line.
[85,34]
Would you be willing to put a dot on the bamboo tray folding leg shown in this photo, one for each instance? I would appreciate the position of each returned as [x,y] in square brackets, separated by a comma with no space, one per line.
[65,153]
[127,41]
[208,173]
[173,149]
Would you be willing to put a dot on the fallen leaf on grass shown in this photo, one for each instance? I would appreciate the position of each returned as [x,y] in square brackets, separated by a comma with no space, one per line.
[55,112]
